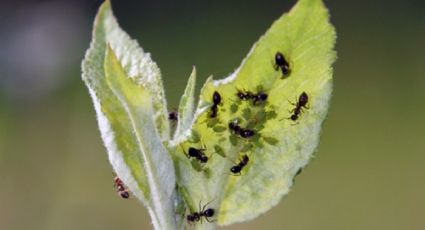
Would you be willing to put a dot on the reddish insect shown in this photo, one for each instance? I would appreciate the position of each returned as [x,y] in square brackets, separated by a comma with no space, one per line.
[121,189]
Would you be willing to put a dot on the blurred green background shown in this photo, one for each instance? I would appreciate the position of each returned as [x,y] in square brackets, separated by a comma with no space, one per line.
[368,172]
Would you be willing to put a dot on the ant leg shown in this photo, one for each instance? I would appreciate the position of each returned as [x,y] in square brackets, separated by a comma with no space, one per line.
[210,221]
[275,67]
[203,208]
[200,211]
[185,153]
[237,174]
[295,123]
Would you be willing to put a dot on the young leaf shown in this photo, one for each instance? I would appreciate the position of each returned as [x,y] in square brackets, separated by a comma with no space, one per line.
[186,107]
[251,132]
[142,163]
[136,63]
[273,147]
[150,158]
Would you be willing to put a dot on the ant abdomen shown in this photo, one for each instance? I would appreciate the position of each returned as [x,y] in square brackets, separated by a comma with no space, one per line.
[240,166]
[282,64]
[121,189]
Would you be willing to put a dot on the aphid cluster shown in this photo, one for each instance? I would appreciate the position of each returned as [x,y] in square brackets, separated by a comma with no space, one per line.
[197,216]
[245,133]
[121,189]
[253,117]
[301,103]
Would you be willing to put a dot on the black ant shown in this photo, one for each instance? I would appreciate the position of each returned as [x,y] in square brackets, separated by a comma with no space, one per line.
[216,102]
[173,116]
[122,190]
[302,102]
[238,168]
[198,154]
[245,133]
[216,98]
[213,112]
[245,95]
[281,63]
[259,98]
[256,98]
[235,127]
[197,216]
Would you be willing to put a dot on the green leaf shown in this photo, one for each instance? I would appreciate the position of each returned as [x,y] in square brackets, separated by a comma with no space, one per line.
[137,63]
[280,146]
[250,142]
[150,157]
[141,163]
[187,106]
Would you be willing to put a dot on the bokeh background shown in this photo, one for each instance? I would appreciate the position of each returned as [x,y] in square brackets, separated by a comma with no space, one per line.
[368,172]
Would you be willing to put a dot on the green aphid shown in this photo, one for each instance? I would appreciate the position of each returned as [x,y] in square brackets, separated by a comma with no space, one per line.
[211,122]
[251,125]
[194,138]
[246,113]
[259,144]
[223,139]
[260,127]
[271,140]
[233,140]
[196,165]
[219,151]
[234,108]
[184,196]
[271,114]
[219,128]
[207,173]
[260,88]
[181,206]
[246,148]
[260,117]
[256,137]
